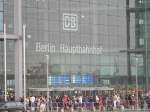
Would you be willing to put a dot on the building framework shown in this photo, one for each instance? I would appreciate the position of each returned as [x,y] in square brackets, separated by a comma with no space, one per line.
[94,31]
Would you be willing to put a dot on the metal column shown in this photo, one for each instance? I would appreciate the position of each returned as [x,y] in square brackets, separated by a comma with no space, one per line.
[128,42]
[18,48]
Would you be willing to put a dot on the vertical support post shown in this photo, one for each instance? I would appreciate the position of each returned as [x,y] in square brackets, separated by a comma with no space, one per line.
[137,99]
[18,58]
[146,49]
[24,63]
[5,61]
[129,81]
[47,59]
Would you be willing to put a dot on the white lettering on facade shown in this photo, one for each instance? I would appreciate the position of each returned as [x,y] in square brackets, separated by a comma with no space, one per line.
[63,48]
[48,47]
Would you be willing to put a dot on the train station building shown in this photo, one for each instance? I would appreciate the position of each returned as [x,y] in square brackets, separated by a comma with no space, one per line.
[81,43]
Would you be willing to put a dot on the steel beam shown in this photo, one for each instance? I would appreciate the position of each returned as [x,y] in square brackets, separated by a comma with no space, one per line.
[18,48]
[9,37]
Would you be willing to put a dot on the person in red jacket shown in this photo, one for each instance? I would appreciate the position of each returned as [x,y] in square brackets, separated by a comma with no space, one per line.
[101,103]
[66,101]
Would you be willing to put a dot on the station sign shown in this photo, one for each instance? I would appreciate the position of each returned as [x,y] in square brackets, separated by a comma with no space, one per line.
[70,22]
[67,49]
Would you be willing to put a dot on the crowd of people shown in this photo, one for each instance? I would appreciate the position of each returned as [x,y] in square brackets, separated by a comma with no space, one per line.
[97,102]
[79,102]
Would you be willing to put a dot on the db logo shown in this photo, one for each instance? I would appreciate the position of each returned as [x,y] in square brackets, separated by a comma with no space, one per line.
[70,22]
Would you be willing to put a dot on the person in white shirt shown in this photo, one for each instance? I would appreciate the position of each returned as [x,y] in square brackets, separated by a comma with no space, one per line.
[80,99]
[43,106]
[118,99]
[97,99]
[115,101]
[32,99]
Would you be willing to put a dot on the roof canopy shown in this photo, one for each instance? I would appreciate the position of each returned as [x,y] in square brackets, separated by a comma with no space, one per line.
[73,89]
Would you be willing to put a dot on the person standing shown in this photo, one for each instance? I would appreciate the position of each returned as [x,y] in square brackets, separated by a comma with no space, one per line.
[115,101]
[101,103]
[32,99]
[66,101]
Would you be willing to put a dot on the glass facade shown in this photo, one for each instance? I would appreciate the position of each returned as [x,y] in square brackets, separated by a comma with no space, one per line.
[7,17]
[139,39]
[1,15]
[84,40]
[77,23]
